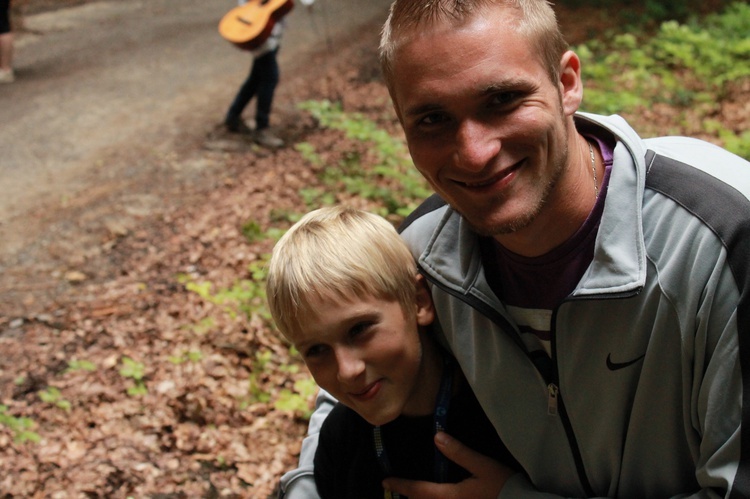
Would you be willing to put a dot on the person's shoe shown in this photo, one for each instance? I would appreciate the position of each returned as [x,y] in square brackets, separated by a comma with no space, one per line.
[7,76]
[266,138]
[237,126]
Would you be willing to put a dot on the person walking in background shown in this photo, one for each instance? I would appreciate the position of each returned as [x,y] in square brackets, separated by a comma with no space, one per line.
[6,44]
[260,83]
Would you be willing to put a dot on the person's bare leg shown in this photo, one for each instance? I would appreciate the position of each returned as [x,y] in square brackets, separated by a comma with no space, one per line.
[6,51]
[6,58]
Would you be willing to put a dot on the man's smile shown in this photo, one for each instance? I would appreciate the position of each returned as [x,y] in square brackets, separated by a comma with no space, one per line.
[504,176]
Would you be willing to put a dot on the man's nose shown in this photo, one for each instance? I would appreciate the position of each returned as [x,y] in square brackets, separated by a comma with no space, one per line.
[476,145]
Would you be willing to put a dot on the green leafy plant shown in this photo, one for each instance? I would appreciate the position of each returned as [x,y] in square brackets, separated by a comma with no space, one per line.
[252,231]
[246,296]
[204,325]
[277,215]
[189,356]
[392,181]
[20,426]
[255,391]
[80,365]
[134,370]
[316,197]
[688,66]
[297,400]
[52,395]
[308,152]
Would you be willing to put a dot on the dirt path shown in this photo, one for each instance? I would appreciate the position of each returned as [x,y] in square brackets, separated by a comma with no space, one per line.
[107,125]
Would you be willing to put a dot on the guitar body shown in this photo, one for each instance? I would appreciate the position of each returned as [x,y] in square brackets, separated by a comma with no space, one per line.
[249,25]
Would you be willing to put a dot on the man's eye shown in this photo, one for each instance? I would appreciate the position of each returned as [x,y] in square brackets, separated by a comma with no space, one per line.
[504,98]
[433,119]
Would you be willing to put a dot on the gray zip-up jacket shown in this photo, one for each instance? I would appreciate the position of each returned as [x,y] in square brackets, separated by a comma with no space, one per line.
[647,392]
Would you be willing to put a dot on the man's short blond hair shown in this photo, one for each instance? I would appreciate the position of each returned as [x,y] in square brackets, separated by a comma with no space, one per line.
[536,20]
[338,253]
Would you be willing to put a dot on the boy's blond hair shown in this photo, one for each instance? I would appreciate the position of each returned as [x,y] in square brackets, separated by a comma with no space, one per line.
[336,253]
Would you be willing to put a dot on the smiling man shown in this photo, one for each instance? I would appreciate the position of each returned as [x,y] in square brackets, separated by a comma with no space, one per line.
[490,131]
[593,286]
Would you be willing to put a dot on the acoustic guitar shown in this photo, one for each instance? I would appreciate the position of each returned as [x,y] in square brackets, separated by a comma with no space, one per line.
[248,26]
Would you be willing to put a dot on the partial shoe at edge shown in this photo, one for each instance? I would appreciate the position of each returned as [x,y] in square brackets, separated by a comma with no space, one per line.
[7,76]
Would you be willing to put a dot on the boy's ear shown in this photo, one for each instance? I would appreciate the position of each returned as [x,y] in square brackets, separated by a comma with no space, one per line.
[425,308]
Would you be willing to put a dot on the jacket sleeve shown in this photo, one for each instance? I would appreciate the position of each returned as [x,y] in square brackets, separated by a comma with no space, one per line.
[719,370]
[300,483]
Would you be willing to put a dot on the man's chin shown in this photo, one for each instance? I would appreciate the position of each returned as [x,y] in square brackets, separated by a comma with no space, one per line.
[491,228]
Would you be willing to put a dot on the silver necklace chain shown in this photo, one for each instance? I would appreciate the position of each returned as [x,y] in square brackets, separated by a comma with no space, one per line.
[593,169]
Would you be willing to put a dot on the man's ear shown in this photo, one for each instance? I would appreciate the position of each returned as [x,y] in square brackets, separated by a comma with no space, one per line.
[571,85]
[425,308]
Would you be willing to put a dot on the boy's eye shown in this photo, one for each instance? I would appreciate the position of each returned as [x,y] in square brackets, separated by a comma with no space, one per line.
[315,351]
[359,328]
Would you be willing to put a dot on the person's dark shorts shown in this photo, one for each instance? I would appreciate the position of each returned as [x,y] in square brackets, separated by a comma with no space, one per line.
[4,16]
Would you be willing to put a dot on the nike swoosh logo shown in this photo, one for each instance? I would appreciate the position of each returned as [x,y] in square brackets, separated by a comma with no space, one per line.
[614,366]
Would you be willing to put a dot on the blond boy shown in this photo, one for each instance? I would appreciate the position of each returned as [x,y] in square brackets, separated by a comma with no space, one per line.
[343,288]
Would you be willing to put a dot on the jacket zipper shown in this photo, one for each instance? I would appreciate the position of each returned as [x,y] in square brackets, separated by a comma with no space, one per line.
[552,391]
[555,406]
[559,408]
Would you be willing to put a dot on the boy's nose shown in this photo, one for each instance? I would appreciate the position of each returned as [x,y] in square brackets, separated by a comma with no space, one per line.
[350,365]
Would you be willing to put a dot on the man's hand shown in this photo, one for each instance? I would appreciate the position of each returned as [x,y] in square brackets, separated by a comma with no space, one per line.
[486,481]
